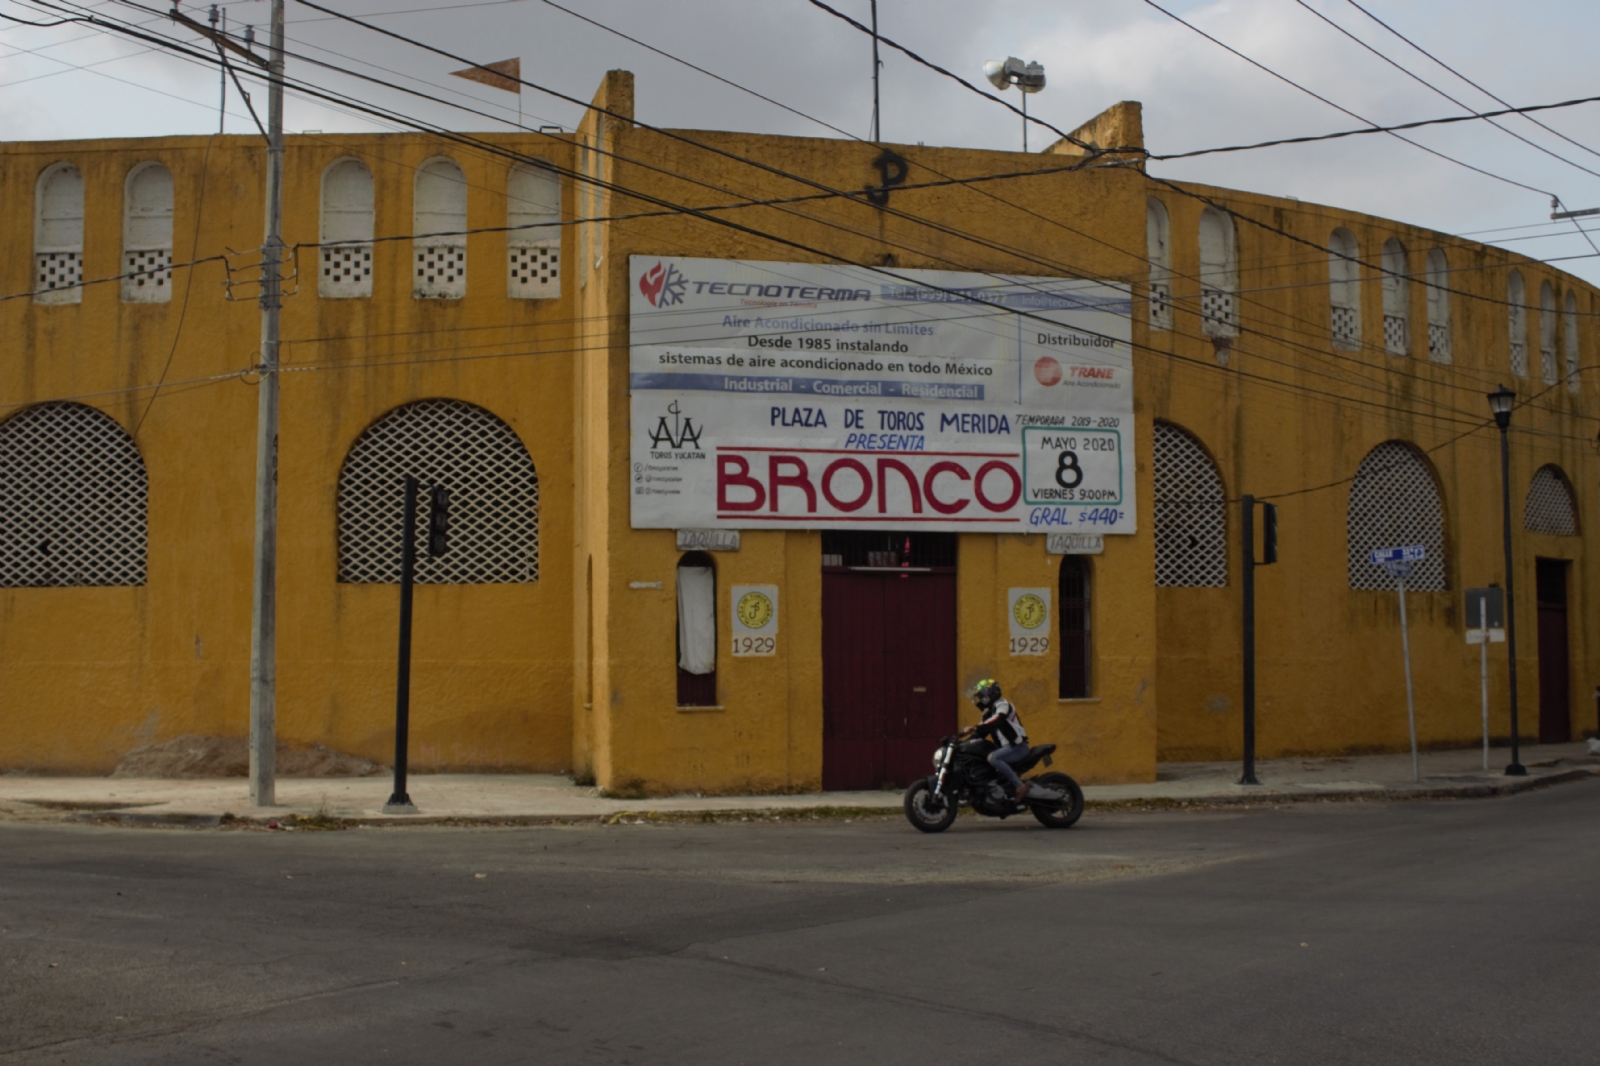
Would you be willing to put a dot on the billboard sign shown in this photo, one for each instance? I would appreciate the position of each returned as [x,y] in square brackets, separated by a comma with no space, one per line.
[811,396]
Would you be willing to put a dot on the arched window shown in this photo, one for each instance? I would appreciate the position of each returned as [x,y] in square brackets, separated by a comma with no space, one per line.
[1072,605]
[1396,298]
[73,508]
[1394,502]
[347,226]
[1190,511]
[438,226]
[147,235]
[494,497]
[1344,288]
[1157,241]
[697,630]
[1569,337]
[1517,320]
[1219,275]
[1551,506]
[1438,306]
[533,237]
[58,236]
[1547,333]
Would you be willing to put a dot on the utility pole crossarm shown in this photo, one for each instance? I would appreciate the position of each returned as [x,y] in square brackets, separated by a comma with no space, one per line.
[221,40]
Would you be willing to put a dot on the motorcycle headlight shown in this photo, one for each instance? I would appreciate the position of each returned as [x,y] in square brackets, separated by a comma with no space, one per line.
[939,757]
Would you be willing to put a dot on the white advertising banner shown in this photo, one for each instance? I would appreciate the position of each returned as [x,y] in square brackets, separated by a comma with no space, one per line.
[808,396]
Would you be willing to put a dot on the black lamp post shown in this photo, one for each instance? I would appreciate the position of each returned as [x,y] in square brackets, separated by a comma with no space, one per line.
[1501,401]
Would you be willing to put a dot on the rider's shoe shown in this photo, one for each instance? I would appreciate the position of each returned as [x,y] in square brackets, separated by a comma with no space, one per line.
[1022,792]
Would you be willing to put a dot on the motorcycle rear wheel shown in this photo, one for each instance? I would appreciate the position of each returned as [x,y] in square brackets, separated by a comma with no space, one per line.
[1065,815]
[927,810]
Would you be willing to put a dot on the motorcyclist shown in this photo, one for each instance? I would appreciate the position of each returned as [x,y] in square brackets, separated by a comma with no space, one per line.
[1001,726]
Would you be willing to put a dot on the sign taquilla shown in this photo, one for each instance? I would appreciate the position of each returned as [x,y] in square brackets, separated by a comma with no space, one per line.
[806,396]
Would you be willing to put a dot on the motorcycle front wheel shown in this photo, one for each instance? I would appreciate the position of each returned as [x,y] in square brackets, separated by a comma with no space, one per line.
[927,810]
[1060,816]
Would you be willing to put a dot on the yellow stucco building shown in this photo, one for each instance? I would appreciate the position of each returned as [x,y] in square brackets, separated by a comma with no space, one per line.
[460,309]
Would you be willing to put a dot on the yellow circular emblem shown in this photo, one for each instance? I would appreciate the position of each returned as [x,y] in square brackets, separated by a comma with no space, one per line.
[754,610]
[1029,611]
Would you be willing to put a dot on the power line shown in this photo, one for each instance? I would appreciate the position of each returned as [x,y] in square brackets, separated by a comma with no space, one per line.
[1318,96]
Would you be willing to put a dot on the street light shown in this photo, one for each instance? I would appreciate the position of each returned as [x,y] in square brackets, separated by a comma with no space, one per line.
[1501,401]
[1029,77]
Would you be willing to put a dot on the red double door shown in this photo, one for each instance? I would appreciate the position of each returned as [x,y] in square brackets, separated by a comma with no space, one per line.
[888,674]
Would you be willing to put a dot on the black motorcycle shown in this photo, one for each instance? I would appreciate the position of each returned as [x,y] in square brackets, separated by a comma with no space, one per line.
[962,774]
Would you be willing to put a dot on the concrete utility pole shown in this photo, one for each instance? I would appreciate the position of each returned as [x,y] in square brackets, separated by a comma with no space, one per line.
[264,605]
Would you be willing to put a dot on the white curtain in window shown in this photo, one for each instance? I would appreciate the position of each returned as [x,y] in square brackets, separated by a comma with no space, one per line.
[697,619]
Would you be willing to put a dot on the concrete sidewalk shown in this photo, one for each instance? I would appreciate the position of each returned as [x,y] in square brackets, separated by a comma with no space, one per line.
[547,798]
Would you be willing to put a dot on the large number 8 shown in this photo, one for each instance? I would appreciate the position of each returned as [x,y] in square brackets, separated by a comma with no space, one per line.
[1068,464]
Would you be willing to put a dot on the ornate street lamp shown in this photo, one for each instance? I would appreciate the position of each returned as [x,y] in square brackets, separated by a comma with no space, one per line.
[1501,401]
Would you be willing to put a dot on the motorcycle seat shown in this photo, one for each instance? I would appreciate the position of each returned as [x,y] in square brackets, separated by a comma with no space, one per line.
[1039,751]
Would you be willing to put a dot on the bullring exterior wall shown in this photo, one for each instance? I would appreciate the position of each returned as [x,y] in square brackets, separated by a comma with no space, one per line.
[575,671]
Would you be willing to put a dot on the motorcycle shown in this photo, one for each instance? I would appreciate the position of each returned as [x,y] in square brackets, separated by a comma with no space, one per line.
[962,774]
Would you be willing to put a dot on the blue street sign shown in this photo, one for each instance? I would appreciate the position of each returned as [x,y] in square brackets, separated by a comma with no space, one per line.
[1411,553]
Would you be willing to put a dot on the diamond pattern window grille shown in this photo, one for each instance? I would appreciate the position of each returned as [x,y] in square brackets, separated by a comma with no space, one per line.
[1160,305]
[1438,344]
[1519,360]
[535,271]
[1395,502]
[346,271]
[1346,327]
[494,497]
[58,277]
[1218,317]
[1547,365]
[1550,507]
[1191,513]
[147,276]
[441,272]
[1395,335]
[73,494]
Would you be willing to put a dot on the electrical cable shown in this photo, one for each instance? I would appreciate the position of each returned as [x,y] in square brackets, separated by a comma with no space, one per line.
[1318,96]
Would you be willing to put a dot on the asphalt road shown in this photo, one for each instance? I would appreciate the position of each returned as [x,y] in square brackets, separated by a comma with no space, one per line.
[1416,933]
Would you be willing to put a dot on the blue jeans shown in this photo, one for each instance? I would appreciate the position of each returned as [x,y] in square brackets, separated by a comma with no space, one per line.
[1002,758]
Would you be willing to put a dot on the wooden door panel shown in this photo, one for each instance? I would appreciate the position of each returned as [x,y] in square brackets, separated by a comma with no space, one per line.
[852,681]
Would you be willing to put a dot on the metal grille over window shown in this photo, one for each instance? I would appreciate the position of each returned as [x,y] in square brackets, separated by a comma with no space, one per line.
[1158,241]
[1547,334]
[439,251]
[73,508]
[1550,507]
[58,236]
[345,269]
[1396,299]
[494,497]
[533,235]
[1344,288]
[1517,324]
[147,235]
[1190,511]
[1394,502]
[1438,307]
[1219,275]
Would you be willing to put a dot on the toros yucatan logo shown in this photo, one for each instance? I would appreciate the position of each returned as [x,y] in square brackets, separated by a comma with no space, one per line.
[663,285]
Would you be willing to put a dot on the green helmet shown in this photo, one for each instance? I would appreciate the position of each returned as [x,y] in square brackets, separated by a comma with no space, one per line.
[984,693]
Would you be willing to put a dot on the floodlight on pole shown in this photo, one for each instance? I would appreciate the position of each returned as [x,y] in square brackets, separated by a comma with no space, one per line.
[1027,77]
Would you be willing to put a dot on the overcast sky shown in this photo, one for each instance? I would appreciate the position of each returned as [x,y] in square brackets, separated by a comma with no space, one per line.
[76,81]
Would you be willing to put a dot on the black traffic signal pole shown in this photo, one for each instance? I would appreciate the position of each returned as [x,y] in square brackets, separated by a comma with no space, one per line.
[399,802]
[1269,555]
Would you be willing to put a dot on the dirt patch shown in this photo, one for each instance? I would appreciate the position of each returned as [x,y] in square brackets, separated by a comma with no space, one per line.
[192,756]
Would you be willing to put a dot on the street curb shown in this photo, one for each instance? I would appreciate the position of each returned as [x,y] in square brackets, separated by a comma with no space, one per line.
[820,812]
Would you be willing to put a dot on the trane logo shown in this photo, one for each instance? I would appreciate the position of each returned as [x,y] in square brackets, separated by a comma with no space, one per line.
[759,484]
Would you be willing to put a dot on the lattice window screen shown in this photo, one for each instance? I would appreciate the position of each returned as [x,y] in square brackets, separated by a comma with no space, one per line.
[147,276]
[1519,359]
[1394,502]
[441,271]
[73,494]
[1438,342]
[535,272]
[1191,515]
[1550,507]
[494,497]
[1160,305]
[1218,316]
[1395,335]
[1347,327]
[58,278]
[346,271]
